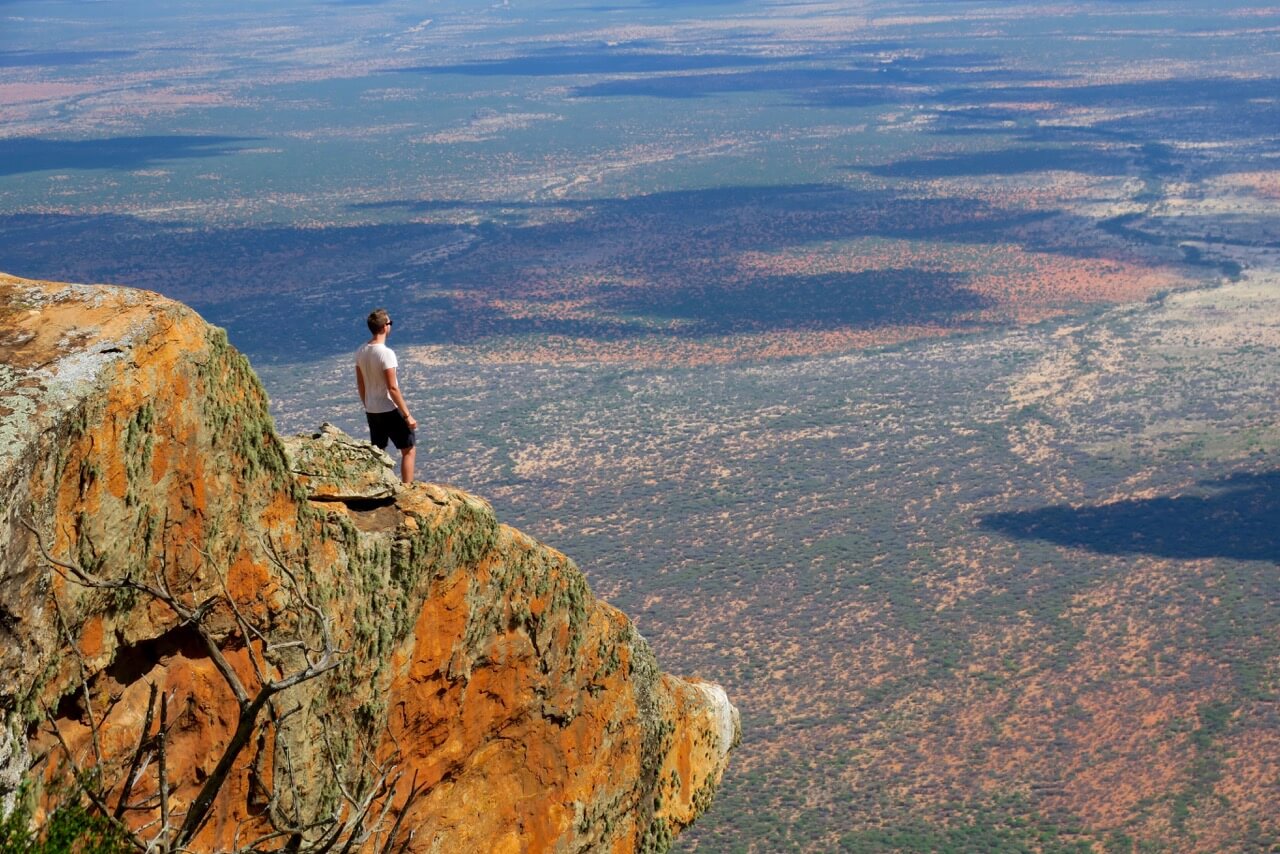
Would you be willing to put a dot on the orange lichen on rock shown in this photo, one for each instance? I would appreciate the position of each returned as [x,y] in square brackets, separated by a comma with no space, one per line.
[469,658]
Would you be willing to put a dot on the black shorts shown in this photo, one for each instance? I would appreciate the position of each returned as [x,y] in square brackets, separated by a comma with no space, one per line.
[384,426]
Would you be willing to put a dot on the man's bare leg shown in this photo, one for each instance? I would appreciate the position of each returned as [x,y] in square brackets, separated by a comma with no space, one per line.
[406,464]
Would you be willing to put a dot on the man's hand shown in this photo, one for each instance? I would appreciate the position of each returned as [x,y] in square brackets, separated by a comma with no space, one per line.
[413,422]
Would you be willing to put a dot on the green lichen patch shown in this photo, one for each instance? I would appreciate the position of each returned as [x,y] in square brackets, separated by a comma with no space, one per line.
[598,823]
[656,839]
[236,413]
[517,576]
[137,448]
[704,795]
[657,728]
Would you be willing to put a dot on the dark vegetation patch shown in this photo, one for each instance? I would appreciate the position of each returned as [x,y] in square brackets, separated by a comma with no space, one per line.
[576,62]
[1012,161]
[896,81]
[34,154]
[862,299]
[59,58]
[1217,109]
[293,282]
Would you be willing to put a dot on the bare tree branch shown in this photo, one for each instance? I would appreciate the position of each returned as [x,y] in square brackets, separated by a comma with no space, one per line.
[415,791]
[135,765]
[162,772]
[322,619]
[84,680]
[352,824]
[246,627]
[94,798]
[194,617]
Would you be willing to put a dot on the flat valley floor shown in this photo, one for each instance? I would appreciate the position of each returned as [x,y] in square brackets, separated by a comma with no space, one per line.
[908,367]
[1015,588]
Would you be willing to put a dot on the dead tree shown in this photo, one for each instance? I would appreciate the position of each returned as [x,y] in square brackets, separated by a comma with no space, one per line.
[358,822]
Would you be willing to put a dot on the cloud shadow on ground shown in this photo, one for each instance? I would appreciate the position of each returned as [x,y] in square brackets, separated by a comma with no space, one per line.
[664,263]
[578,62]
[844,300]
[1014,161]
[1236,517]
[1200,109]
[862,85]
[35,154]
[58,58]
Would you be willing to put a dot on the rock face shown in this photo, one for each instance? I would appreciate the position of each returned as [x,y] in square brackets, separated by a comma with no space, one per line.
[332,466]
[473,662]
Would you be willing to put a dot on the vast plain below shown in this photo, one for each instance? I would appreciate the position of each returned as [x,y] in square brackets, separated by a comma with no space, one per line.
[909,368]
[1010,589]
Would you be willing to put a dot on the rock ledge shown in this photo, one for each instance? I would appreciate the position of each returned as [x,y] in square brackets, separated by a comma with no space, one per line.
[137,443]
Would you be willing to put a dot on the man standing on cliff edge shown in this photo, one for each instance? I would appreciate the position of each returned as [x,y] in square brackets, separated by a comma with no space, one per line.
[384,405]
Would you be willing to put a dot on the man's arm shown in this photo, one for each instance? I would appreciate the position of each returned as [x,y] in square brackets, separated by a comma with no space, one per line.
[393,389]
[360,384]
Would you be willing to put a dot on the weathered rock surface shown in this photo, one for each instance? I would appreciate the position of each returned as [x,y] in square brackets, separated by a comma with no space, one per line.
[134,441]
[332,466]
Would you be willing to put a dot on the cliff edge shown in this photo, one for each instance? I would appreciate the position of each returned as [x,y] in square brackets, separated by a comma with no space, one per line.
[470,687]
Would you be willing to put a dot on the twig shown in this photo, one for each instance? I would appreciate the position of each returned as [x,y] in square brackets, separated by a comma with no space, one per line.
[162,771]
[244,730]
[86,580]
[161,593]
[135,769]
[246,627]
[414,792]
[94,798]
[331,755]
[363,810]
[84,681]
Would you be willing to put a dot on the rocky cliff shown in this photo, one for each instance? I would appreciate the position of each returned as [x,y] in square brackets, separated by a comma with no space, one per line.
[455,658]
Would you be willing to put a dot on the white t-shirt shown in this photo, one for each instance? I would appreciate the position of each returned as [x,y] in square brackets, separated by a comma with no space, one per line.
[373,360]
